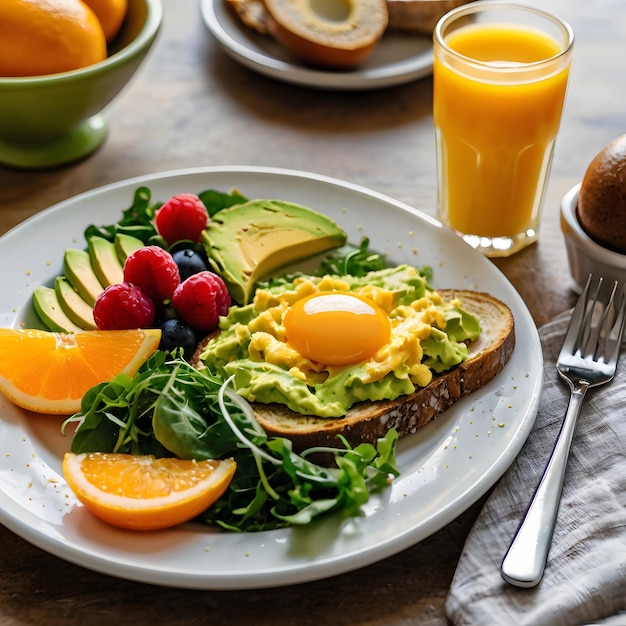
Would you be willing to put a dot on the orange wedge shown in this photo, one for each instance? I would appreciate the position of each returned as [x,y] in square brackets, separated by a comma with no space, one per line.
[50,372]
[143,492]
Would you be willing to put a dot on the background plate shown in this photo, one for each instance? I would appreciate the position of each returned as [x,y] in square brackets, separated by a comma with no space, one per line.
[446,466]
[399,58]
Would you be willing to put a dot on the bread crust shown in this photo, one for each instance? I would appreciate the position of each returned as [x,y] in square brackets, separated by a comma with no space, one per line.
[319,43]
[419,16]
[368,421]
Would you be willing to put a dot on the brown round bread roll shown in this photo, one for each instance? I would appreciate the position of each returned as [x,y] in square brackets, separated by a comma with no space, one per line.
[602,198]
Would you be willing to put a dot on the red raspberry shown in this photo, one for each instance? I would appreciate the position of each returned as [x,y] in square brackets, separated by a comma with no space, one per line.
[182,217]
[153,270]
[123,306]
[201,299]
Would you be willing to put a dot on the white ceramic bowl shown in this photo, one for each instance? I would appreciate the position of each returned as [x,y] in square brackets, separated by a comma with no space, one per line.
[586,256]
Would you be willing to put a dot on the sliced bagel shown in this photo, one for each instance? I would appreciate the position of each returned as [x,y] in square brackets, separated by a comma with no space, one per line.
[337,34]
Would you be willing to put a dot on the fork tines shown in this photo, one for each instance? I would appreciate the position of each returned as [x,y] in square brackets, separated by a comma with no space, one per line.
[597,321]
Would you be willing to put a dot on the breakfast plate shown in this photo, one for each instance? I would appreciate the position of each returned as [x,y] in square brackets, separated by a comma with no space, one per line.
[445,467]
[398,59]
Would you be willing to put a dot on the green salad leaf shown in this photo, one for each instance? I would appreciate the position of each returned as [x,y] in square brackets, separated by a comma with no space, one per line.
[215,201]
[353,260]
[138,219]
[170,409]
[359,260]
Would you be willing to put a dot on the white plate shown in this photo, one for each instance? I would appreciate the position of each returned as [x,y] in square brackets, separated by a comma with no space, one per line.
[398,59]
[446,466]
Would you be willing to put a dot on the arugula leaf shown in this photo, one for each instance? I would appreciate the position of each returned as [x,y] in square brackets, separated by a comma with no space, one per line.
[358,261]
[169,408]
[183,418]
[215,201]
[354,260]
[348,259]
[116,416]
[136,220]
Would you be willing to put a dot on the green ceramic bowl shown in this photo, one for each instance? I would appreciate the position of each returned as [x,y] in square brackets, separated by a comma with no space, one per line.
[52,120]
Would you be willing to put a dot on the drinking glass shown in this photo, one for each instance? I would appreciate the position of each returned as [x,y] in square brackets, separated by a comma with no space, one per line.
[500,79]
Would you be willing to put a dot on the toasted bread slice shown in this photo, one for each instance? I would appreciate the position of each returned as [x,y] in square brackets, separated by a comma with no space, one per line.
[367,421]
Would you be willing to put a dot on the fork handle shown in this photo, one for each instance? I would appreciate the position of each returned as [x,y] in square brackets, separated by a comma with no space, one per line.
[525,560]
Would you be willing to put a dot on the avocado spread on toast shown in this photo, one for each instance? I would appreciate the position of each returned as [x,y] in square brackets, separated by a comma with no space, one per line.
[428,337]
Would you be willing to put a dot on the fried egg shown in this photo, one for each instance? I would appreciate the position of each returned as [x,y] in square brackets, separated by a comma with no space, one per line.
[317,329]
[336,328]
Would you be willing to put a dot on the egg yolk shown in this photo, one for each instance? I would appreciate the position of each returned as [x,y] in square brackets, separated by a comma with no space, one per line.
[336,328]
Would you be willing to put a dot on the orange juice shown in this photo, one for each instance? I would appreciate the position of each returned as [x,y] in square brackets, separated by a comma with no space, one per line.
[496,122]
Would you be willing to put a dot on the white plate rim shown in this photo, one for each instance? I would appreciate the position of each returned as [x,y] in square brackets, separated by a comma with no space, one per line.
[372,75]
[393,525]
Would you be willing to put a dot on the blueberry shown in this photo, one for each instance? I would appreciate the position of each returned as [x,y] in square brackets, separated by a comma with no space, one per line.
[163,313]
[177,334]
[189,262]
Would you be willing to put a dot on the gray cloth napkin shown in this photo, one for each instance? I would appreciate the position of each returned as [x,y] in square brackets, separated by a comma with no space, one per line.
[585,576]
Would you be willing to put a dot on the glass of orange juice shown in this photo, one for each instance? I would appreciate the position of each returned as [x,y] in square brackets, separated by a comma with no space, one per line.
[500,77]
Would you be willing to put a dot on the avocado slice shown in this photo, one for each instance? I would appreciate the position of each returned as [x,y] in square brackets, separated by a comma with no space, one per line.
[247,242]
[80,273]
[104,261]
[51,312]
[125,245]
[73,305]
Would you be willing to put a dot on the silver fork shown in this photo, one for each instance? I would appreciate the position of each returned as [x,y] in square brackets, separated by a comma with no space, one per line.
[587,359]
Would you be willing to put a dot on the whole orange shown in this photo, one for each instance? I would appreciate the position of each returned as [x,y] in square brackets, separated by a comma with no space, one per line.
[40,37]
[111,14]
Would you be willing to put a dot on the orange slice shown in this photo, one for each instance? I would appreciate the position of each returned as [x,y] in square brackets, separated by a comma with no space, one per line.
[143,492]
[50,372]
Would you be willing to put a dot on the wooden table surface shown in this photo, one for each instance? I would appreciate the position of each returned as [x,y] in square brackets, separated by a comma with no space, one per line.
[191,105]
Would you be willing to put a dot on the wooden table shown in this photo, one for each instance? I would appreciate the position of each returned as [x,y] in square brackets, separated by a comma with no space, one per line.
[190,105]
